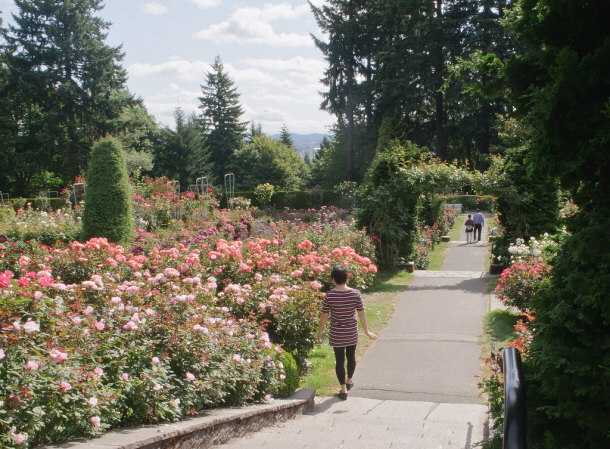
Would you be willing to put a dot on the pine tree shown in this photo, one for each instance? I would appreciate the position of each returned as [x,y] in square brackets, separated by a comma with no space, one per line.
[285,136]
[67,77]
[182,154]
[220,117]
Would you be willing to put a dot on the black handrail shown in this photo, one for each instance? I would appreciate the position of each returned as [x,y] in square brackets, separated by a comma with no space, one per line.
[514,400]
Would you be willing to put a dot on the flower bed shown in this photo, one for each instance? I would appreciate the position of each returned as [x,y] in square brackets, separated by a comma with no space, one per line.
[97,336]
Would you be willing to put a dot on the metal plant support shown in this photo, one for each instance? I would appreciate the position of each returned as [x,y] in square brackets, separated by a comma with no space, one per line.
[230,189]
[4,197]
[45,198]
[202,185]
[173,188]
[78,192]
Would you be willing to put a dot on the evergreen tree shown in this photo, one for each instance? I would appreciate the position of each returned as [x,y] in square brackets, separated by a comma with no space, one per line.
[341,21]
[107,210]
[256,129]
[65,85]
[220,117]
[561,87]
[182,154]
[285,136]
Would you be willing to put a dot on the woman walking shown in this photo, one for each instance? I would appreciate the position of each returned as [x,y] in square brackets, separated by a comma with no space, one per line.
[341,304]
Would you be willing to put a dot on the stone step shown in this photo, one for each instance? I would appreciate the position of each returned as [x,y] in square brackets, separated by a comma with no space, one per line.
[371,423]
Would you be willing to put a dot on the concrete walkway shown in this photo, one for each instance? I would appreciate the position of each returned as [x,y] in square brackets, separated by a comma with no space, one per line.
[416,386]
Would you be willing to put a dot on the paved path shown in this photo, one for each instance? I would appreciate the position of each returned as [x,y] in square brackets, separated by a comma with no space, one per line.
[416,386]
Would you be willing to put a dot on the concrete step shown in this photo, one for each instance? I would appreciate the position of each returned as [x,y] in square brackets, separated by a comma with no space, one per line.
[371,423]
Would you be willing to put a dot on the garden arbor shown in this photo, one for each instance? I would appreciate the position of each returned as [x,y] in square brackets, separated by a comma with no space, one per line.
[402,182]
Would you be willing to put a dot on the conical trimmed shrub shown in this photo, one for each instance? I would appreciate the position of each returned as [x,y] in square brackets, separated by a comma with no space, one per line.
[107,210]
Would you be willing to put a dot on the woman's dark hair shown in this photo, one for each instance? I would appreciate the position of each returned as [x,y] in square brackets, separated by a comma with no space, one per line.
[339,274]
[469,216]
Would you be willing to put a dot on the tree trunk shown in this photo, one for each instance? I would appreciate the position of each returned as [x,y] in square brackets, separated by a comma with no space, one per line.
[350,122]
[441,137]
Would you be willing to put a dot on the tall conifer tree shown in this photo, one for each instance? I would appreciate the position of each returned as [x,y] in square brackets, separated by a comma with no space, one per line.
[70,81]
[220,117]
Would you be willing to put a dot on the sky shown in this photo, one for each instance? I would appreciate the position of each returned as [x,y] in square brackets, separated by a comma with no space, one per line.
[265,46]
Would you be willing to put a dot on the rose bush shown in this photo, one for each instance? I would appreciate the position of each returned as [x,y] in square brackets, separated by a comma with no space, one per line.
[95,335]
[521,281]
[79,358]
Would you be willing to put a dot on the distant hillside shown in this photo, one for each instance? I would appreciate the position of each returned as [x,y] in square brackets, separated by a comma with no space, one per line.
[305,143]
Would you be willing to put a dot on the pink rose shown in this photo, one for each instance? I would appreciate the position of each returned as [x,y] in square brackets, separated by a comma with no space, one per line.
[1,354]
[31,326]
[96,421]
[58,356]
[155,360]
[19,438]
[65,386]
[32,366]
[189,376]
[125,377]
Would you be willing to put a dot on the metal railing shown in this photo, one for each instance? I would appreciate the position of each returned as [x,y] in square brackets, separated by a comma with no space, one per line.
[514,400]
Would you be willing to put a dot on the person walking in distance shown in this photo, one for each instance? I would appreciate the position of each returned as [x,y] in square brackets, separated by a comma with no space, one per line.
[479,221]
[342,303]
[469,224]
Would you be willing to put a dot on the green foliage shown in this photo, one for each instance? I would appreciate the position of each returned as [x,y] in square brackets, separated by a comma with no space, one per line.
[285,136]
[527,200]
[266,160]
[182,154]
[330,162]
[521,282]
[561,89]
[264,193]
[472,202]
[290,383]
[108,197]
[388,205]
[65,88]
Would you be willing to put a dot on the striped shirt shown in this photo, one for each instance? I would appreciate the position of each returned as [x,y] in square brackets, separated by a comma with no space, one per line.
[342,307]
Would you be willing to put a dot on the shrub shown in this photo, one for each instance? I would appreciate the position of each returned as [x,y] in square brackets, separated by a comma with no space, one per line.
[290,382]
[519,283]
[527,205]
[241,203]
[264,193]
[108,197]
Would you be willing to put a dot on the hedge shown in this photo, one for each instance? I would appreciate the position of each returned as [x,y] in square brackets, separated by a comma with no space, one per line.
[295,199]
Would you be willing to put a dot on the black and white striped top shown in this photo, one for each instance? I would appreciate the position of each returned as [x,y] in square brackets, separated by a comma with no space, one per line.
[342,307]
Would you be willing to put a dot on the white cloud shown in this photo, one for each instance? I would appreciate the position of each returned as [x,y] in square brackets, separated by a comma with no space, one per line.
[298,67]
[175,68]
[155,9]
[272,91]
[203,4]
[252,25]
[163,104]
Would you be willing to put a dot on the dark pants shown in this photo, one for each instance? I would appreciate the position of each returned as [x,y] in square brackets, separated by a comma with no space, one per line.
[477,229]
[340,353]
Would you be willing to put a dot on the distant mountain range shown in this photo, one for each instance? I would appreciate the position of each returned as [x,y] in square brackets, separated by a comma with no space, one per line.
[305,143]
